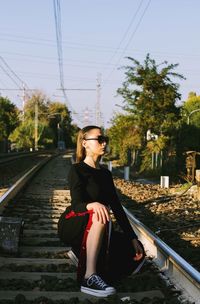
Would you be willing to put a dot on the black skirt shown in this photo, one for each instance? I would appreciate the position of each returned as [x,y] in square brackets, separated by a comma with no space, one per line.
[113,263]
[71,230]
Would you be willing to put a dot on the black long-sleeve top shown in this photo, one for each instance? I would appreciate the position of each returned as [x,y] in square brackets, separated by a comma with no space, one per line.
[88,185]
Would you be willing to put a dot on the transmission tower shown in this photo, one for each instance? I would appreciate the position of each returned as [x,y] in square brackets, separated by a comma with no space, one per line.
[98,114]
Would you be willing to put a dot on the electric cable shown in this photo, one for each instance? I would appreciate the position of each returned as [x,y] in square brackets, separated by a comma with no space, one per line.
[127,30]
[57,16]
[13,73]
[13,80]
[129,41]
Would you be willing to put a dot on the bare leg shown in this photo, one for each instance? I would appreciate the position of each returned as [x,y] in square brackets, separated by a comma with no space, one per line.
[93,245]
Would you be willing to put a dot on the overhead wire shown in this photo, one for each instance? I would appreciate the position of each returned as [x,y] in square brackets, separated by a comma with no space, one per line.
[2,84]
[135,30]
[100,48]
[57,16]
[13,80]
[130,39]
[10,71]
[21,85]
[127,30]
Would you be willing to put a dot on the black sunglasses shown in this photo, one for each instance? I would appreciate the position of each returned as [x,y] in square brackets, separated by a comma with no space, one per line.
[101,139]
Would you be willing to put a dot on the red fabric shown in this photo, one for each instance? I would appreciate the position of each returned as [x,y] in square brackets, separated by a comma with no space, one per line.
[82,257]
[72,213]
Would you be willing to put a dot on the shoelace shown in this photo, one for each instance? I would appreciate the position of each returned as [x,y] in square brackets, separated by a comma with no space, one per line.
[97,280]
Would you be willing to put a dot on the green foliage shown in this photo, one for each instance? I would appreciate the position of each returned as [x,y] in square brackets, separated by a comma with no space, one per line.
[188,138]
[74,131]
[150,95]
[148,154]
[124,136]
[191,110]
[150,98]
[23,135]
[54,124]
[9,117]
[60,123]
[41,101]
[158,145]
[146,160]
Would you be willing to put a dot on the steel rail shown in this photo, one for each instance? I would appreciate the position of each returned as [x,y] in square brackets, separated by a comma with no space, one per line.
[14,189]
[179,271]
[13,156]
[9,154]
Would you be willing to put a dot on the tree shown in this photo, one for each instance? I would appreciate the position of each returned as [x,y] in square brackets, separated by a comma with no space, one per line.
[151,96]
[53,120]
[9,119]
[40,100]
[189,125]
[191,110]
[60,123]
[124,137]
[23,136]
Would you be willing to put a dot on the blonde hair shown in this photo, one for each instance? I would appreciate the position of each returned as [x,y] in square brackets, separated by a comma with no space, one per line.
[80,150]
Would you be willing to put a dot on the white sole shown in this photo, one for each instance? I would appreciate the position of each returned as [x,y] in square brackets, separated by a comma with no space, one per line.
[97,293]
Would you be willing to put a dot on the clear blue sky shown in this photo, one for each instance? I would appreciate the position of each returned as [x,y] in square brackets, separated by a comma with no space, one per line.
[97,35]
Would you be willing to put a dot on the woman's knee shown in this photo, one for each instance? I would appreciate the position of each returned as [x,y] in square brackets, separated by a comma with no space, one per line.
[97,224]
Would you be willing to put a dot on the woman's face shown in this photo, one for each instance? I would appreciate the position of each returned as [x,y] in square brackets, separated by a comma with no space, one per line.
[95,143]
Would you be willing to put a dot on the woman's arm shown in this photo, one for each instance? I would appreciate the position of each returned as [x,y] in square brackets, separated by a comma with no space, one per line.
[76,190]
[124,223]
[119,212]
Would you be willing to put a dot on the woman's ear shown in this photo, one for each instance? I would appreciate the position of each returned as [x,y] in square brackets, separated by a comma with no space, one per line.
[84,143]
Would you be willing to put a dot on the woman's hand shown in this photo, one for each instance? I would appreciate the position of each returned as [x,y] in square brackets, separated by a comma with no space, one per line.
[138,249]
[101,212]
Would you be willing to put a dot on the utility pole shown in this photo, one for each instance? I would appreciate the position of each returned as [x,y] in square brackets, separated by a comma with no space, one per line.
[23,102]
[36,126]
[23,96]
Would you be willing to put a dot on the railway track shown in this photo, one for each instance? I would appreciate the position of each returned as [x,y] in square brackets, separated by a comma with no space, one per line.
[41,271]
[15,165]
[171,214]
[9,157]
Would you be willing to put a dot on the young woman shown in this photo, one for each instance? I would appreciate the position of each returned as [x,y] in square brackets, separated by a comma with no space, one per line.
[103,254]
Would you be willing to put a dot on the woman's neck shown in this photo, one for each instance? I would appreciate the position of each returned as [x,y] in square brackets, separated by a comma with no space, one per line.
[92,161]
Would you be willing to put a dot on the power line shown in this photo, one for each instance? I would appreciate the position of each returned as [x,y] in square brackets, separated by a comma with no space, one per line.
[21,85]
[136,28]
[127,30]
[11,77]
[130,39]
[78,89]
[12,72]
[57,16]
